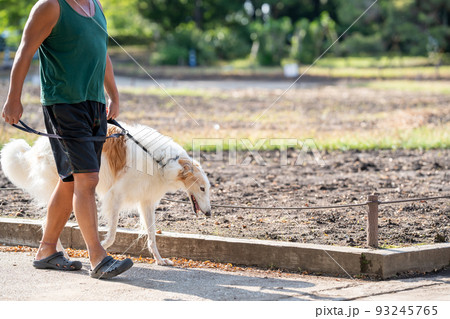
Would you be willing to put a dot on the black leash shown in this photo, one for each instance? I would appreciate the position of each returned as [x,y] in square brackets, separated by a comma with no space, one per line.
[131,137]
[28,129]
[124,132]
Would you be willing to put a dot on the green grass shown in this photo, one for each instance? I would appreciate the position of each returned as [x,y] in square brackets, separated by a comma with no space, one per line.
[424,137]
[422,72]
[373,62]
[442,87]
[348,62]
[357,67]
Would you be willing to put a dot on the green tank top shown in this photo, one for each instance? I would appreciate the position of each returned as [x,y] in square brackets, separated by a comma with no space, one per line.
[73,58]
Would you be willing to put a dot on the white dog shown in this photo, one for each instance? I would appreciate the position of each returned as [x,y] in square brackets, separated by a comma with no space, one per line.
[129,177]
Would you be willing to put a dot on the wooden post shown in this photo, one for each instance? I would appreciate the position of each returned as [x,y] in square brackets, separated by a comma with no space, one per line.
[372,221]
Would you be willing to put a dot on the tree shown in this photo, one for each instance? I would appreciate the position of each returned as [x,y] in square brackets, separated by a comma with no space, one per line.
[310,39]
[13,15]
[126,24]
[272,40]
[296,9]
[434,15]
[348,11]
[171,13]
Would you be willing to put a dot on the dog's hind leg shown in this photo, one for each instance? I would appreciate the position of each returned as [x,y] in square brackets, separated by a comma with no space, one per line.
[110,211]
[147,214]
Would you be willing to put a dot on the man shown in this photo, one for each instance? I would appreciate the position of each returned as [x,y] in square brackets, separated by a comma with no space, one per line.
[75,69]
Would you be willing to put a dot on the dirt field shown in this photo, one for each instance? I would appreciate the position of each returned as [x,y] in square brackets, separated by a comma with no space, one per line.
[347,178]
[325,113]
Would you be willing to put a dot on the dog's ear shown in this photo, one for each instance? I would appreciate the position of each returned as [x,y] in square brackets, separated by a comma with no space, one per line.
[186,168]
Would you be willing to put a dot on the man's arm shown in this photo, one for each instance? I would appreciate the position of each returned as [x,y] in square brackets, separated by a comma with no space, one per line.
[42,19]
[111,90]
[110,86]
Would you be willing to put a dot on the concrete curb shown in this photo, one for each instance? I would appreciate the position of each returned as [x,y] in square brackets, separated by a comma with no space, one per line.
[336,260]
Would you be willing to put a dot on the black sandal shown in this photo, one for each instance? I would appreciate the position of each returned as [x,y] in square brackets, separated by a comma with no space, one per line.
[110,267]
[57,261]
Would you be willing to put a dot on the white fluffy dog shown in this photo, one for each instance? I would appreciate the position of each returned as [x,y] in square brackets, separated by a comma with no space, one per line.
[129,177]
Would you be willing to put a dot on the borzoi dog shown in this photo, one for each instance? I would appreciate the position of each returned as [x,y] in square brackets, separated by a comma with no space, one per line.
[129,177]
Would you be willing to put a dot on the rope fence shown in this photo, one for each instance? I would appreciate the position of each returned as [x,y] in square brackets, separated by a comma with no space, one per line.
[372,218]
[269,208]
[372,202]
[312,207]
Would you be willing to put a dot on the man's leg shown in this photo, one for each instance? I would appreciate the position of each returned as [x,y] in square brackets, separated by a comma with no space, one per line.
[85,210]
[58,212]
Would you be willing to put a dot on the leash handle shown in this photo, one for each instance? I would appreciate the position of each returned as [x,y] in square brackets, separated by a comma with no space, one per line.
[28,129]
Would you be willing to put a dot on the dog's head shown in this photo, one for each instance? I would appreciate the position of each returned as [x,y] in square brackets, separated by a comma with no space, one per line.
[196,185]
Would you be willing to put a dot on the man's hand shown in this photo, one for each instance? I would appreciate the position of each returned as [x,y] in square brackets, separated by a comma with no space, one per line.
[112,110]
[12,111]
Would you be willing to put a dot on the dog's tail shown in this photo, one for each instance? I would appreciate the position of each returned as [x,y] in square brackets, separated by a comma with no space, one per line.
[14,163]
[31,168]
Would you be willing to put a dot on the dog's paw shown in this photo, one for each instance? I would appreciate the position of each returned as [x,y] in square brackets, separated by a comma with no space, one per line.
[164,262]
[106,243]
[66,255]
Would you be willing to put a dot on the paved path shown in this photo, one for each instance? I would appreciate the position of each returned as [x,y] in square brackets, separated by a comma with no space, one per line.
[20,281]
[225,84]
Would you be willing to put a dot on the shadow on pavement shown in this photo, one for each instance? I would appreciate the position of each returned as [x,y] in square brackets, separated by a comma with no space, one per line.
[217,285]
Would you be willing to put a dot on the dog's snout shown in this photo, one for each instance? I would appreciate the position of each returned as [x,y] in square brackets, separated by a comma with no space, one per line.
[208,213]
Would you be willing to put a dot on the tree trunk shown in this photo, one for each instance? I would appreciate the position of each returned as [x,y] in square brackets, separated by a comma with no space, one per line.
[198,14]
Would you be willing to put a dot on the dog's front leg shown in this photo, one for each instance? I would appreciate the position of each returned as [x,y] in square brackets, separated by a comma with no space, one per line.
[147,213]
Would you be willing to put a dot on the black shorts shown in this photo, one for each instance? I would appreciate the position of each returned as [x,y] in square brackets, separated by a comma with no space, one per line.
[82,119]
